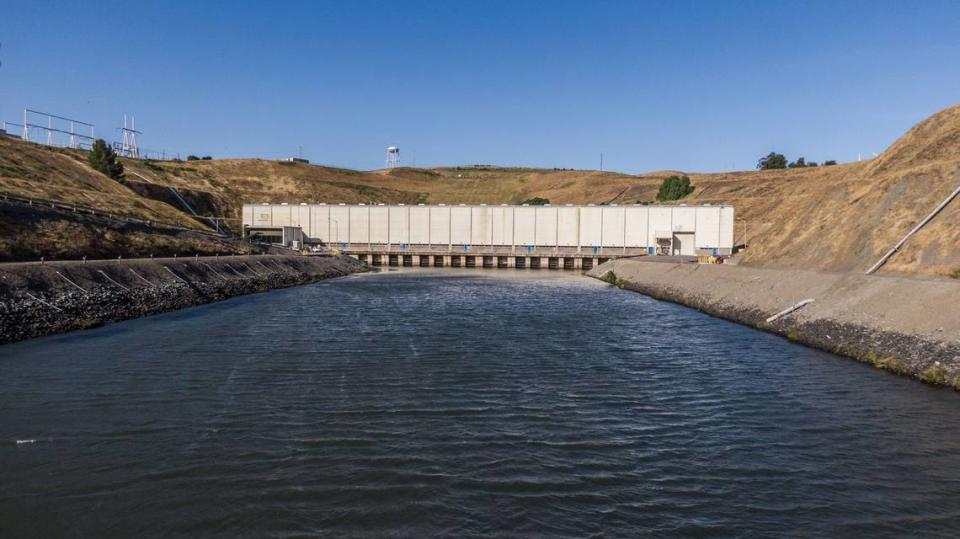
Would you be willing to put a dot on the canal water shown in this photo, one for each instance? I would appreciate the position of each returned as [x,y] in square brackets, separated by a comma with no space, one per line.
[463,403]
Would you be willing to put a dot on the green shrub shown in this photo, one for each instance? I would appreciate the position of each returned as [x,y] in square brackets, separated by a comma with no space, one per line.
[612,278]
[536,201]
[829,162]
[771,161]
[955,273]
[192,158]
[934,375]
[103,159]
[674,188]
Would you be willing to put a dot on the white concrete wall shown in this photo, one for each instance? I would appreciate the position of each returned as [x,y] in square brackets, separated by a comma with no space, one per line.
[319,223]
[359,224]
[340,223]
[399,218]
[419,225]
[568,226]
[481,225]
[591,220]
[460,225]
[708,227]
[612,226]
[661,223]
[524,225]
[502,224]
[546,226]
[633,226]
[379,224]
[439,225]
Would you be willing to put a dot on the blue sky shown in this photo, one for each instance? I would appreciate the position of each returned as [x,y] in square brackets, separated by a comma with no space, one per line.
[695,85]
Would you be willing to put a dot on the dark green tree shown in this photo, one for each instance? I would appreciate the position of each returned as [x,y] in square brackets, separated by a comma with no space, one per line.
[674,188]
[772,160]
[829,162]
[536,201]
[192,158]
[103,158]
[799,163]
[206,158]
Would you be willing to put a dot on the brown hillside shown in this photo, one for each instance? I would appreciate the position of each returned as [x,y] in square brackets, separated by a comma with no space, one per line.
[839,218]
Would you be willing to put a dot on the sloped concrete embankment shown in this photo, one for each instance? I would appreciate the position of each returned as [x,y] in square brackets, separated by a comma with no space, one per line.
[37,300]
[906,326]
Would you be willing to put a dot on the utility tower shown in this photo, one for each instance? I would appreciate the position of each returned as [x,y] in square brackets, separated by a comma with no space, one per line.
[393,157]
[128,146]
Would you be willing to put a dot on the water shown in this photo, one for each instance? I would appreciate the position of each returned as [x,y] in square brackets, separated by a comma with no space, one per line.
[463,403]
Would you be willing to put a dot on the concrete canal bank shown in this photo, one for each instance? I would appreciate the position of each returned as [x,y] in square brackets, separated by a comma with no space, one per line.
[56,297]
[903,325]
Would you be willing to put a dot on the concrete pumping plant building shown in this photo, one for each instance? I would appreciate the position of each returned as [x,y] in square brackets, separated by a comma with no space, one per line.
[599,230]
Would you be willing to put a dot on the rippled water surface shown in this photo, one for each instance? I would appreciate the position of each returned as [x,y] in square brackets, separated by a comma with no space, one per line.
[463,403]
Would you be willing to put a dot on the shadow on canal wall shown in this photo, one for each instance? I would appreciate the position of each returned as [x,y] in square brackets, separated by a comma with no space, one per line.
[906,326]
[57,297]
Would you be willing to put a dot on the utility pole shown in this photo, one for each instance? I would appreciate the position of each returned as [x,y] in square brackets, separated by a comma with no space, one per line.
[601,161]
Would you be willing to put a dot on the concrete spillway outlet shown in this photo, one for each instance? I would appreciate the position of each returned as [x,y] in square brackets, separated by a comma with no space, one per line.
[424,261]
[587,264]
[377,260]
[502,262]
[488,261]
[455,261]
[407,261]
[521,262]
[553,262]
[569,263]
[438,261]
[534,262]
[394,260]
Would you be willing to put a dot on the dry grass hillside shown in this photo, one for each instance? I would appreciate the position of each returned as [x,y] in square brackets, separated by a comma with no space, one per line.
[34,171]
[838,218]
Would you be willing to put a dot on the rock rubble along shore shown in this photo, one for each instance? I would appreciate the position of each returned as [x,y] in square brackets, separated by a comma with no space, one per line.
[55,297]
[910,326]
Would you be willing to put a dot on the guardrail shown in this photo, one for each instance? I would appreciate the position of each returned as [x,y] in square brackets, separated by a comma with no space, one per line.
[76,208]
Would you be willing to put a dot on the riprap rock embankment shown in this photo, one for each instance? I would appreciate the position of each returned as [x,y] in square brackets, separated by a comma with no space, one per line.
[56,297]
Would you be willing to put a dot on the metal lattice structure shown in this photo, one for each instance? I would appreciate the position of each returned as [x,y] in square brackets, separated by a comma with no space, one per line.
[393,157]
[57,125]
[128,145]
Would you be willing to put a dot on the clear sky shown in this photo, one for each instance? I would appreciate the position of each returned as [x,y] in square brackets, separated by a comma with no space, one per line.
[695,86]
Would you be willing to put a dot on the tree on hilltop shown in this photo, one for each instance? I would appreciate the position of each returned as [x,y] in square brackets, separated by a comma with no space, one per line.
[104,159]
[771,161]
[674,188]
[536,201]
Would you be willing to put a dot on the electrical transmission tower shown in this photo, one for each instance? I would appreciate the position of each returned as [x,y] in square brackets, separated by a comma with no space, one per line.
[128,146]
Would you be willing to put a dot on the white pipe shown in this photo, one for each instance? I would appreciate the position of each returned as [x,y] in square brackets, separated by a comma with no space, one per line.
[883,260]
[789,310]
